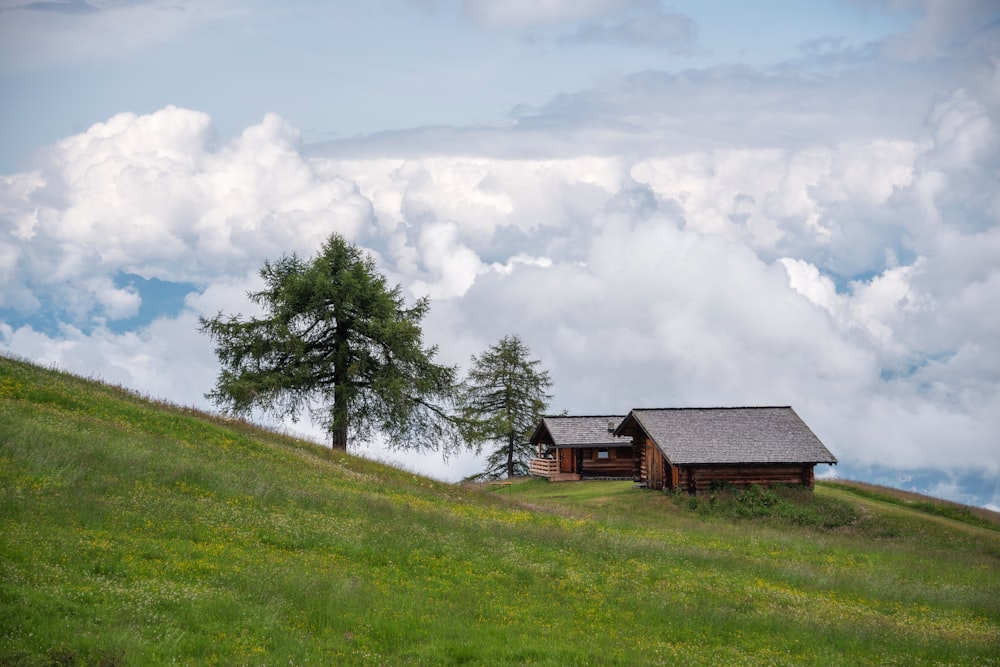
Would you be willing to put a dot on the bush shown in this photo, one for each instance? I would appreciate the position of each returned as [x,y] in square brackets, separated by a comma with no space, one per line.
[791,504]
[756,501]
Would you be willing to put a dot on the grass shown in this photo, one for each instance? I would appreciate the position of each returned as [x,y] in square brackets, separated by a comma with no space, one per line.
[136,533]
[974,516]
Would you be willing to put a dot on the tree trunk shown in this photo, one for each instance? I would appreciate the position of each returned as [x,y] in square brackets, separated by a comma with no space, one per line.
[338,428]
[338,437]
[510,456]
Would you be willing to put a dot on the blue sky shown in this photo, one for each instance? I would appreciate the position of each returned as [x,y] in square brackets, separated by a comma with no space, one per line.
[673,203]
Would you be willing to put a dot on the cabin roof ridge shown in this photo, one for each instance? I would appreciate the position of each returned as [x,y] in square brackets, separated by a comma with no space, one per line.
[719,407]
[582,416]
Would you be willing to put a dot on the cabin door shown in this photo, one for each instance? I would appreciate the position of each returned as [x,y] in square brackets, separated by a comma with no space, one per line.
[654,466]
[567,460]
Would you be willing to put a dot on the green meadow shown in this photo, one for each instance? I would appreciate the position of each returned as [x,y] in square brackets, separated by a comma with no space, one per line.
[138,533]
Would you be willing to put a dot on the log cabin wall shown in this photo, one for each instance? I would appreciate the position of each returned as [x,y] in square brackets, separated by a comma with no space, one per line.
[683,478]
[615,462]
[651,467]
[638,461]
[702,478]
[655,466]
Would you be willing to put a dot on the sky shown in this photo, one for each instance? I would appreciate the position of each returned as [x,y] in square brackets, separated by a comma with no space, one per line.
[671,203]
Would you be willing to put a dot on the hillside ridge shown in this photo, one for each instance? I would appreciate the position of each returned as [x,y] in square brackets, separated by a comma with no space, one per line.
[137,532]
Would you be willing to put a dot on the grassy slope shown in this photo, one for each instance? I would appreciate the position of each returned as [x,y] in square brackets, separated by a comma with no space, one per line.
[134,533]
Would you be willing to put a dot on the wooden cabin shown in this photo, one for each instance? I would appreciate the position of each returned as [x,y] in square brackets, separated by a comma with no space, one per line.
[694,449]
[575,448]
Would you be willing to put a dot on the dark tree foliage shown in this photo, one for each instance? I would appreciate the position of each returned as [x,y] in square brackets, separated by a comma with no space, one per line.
[337,341]
[502,400]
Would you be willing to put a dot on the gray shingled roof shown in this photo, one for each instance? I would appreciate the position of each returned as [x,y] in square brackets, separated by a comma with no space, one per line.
[732,435]
[590,431]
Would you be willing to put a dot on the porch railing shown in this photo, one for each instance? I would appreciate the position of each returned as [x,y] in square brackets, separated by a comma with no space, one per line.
[543,467]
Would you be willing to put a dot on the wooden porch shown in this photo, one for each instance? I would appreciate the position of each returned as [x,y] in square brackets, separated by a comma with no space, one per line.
[549,468]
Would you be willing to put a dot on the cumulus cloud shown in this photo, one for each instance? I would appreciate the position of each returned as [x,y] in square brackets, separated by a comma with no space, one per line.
[157,196]
[453,265]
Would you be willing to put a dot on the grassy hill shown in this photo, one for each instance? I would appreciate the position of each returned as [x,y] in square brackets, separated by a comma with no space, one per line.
[137,533]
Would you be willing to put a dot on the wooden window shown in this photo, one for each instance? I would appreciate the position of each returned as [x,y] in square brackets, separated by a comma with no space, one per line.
[603,454]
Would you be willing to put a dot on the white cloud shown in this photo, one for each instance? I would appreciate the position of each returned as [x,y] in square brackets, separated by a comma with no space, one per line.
[40,34]
[824,203]
[656,28]
[963,132]
[528,13]
[942,25]
[453,264]
[513,262]
[167,359]
[157,196]
[620,23]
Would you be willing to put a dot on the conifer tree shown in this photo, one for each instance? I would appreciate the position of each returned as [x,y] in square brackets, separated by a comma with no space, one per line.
[337,341]
[503,398]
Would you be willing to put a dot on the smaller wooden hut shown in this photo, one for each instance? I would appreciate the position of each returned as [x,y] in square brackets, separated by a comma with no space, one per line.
[693,449]
[575,448]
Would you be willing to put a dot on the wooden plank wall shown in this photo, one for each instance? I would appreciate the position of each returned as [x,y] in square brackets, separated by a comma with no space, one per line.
[700,479]
[638,460]
[656,466]
[618,464]
[608,468]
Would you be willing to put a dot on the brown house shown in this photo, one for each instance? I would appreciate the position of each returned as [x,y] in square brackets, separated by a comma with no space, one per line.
[693,449]
[574,448]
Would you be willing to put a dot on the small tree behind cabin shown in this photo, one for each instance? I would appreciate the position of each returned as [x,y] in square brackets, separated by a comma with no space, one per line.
[337,341]
[503,398]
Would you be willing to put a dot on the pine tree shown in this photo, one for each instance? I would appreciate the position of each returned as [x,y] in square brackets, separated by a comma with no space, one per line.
[337,341]
[503,398]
